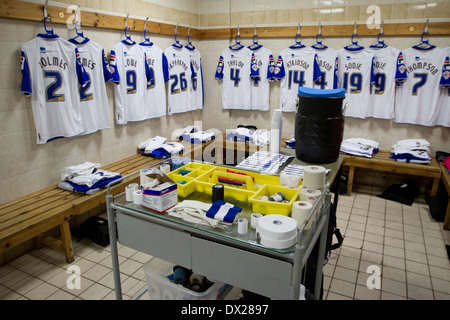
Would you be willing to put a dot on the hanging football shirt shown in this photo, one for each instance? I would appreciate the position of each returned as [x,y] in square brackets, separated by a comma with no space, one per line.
[155,93]
[389,70]
[94,101]
[355,75]
[235,69]
[328,62]
[130,74]
[52,74]
[197,92]
[261,85]
[181,75]
[295,67]
[417,98]
[443,113]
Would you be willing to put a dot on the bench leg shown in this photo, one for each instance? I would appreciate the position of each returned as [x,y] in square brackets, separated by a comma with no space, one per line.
[435,186]
[351,173]
[447,217]
[67,241]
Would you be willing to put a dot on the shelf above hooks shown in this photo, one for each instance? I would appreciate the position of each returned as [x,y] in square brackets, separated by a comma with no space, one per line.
[14,9]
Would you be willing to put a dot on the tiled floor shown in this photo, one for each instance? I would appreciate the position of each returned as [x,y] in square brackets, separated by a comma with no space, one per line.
[403,242]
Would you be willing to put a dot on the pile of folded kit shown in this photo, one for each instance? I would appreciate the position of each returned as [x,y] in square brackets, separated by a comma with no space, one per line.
[245,134]
[195,135]
[159,147]
[359,147]
[411,150]
[86,178]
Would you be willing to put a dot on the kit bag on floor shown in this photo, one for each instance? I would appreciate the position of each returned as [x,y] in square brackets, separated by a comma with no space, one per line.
[95,229]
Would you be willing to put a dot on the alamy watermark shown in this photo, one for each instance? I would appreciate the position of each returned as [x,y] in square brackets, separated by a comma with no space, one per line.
[374,280]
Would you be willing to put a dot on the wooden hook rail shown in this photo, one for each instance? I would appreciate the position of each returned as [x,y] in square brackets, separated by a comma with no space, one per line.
[14,9]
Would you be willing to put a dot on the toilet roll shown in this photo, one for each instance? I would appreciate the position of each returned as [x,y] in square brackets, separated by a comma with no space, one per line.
[300,211]
[137,197]
[254,220]
[314,177]
[242,226]
[165,168]
[306,192]
[276,227]
[129,191]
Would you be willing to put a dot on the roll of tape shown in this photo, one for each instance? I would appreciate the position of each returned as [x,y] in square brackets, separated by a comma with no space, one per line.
[165,168]
[277,197]
[277,227]
[279,244]
[137,197]
[196,278]
[129,192]
[218,192]
[314,177]
[143,176]
[242,226]
[254,220]
[311,200]
[306,192]
[300,211]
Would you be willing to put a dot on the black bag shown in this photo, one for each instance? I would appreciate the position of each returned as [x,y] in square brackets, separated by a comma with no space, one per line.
[95,229]
[311,266]
[404,193]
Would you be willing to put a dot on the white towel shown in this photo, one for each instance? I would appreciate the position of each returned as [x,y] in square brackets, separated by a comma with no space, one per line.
[80,169]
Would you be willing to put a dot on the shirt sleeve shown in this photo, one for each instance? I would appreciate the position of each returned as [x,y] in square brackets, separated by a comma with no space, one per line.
[219,70]
[270,68]
[254,69]
[106,71]
[400,71]
[165,67]
[83,77]
[336,72]
[279,72]
[26,80]
[445,78]
[372,71]
[113,68]
[317,74]
[193,73]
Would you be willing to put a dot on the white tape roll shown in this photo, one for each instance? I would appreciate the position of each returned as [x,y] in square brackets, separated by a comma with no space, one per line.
[242,226]
[254,220]
[277,227]
[165,168]
[311,200]
[306,192]
[129,192]
[137,197]
[196,278]
[144,178]
[314,177]
[278,244]
[300,211]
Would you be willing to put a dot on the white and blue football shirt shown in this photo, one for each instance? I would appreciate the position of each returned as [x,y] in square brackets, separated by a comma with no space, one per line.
[52,74]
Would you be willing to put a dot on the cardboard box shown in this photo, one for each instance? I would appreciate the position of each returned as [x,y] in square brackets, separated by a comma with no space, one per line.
[162,196]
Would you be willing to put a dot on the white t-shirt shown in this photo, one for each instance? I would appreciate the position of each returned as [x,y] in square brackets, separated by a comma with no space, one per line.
[236,72]
[389,69]
[355,75]
[328,63]
[261,85]
[197,93]
[155,93]
[417,98]
[295,68]
[94,101]
[130,74]
[181,75]
[52,74]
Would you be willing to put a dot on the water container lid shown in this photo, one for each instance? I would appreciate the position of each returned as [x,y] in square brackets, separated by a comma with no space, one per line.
[321,93]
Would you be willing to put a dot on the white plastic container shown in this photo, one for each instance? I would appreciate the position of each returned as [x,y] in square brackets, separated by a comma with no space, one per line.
[161,288]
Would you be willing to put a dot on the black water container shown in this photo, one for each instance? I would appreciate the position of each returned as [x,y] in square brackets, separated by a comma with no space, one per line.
[319,125]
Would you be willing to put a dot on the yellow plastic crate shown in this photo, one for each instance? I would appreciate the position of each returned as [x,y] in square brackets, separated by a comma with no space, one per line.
[272,207]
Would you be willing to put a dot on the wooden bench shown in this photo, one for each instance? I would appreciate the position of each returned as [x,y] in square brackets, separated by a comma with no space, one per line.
[446,180]
[31,215]
[381,161]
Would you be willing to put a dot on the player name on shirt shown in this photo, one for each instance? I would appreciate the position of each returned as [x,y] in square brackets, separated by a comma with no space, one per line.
[418,65]
[52,62]
[178,62]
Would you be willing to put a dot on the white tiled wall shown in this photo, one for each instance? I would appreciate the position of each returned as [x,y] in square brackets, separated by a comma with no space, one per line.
[25,166]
